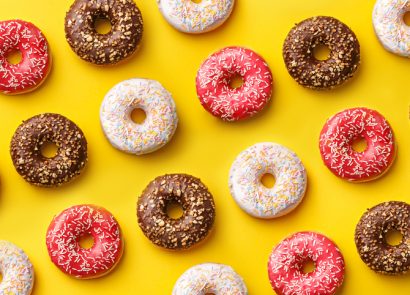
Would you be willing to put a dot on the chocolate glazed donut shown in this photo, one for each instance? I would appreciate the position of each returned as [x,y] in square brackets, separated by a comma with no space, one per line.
[25,150]
[343,61]
[370,238]
[197,204]
[104,49]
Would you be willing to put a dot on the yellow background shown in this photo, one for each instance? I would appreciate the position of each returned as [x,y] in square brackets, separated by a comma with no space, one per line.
[204,146]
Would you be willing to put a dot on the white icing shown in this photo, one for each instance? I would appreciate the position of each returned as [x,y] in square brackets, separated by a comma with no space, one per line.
[161,117]
[256,199]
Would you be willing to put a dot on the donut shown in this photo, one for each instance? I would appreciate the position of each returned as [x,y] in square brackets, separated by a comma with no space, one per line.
[198,211]
[210,278]
[232,104]
[188,16]
[298,53]
[16,270]
[158,127]
[370,238]
[285,266]
[32,134]
[267,158]
[104,49]
[68,227]
[35,64]
[338,135]
[389,25]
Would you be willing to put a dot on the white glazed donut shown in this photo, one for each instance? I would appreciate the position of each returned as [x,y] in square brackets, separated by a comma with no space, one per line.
[161,118]
[390,27]
[17,270]
[190,17]
[210,278]
[267,158]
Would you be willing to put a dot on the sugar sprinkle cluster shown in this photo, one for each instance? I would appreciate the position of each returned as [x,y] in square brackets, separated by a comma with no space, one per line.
[69,226]
[338,135]
[157,103]
[190,17]
[288,257]
[16,269]
[35,63]
[210,278]
[252,196]
[216,94]
[390,27]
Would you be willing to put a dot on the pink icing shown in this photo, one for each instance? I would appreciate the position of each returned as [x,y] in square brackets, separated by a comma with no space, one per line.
[225,102]
[35,64]
[338,135]
[69,226]
[287,259]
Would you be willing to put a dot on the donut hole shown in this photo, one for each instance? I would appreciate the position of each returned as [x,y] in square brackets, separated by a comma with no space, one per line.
[86,241]
[236,81]
[174,210]
[49,149]
[102,25]
[1,277]
[197,2]
[14,57]
[406,18]
[321,52]
[268,180]
[138,116]
[359,145]
[393,237]
[308,266]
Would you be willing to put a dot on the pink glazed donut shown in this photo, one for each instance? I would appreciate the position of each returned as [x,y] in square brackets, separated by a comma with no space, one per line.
[35,63]
[285,266]
[65,232]
[338,135]
[233,104]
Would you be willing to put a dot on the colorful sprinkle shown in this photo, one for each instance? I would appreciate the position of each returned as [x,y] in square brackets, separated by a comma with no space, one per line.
[267,158]
[16,269]
[190,17]
[389,25]
[210,278]
[161,116]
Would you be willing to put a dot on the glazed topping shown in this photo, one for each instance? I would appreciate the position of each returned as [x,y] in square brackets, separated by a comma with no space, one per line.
[287,260]
[121,42]
[69,226]
[305,68]
[216,94]
[390,27]
[196,201]
[248,191]
[158,127]
[340,132]
[16,269]
[25,149]
[34,66]
[370,238]
[190,17]
[210,278]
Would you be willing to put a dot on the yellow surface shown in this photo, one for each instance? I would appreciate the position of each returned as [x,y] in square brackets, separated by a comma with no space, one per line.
[204,146]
